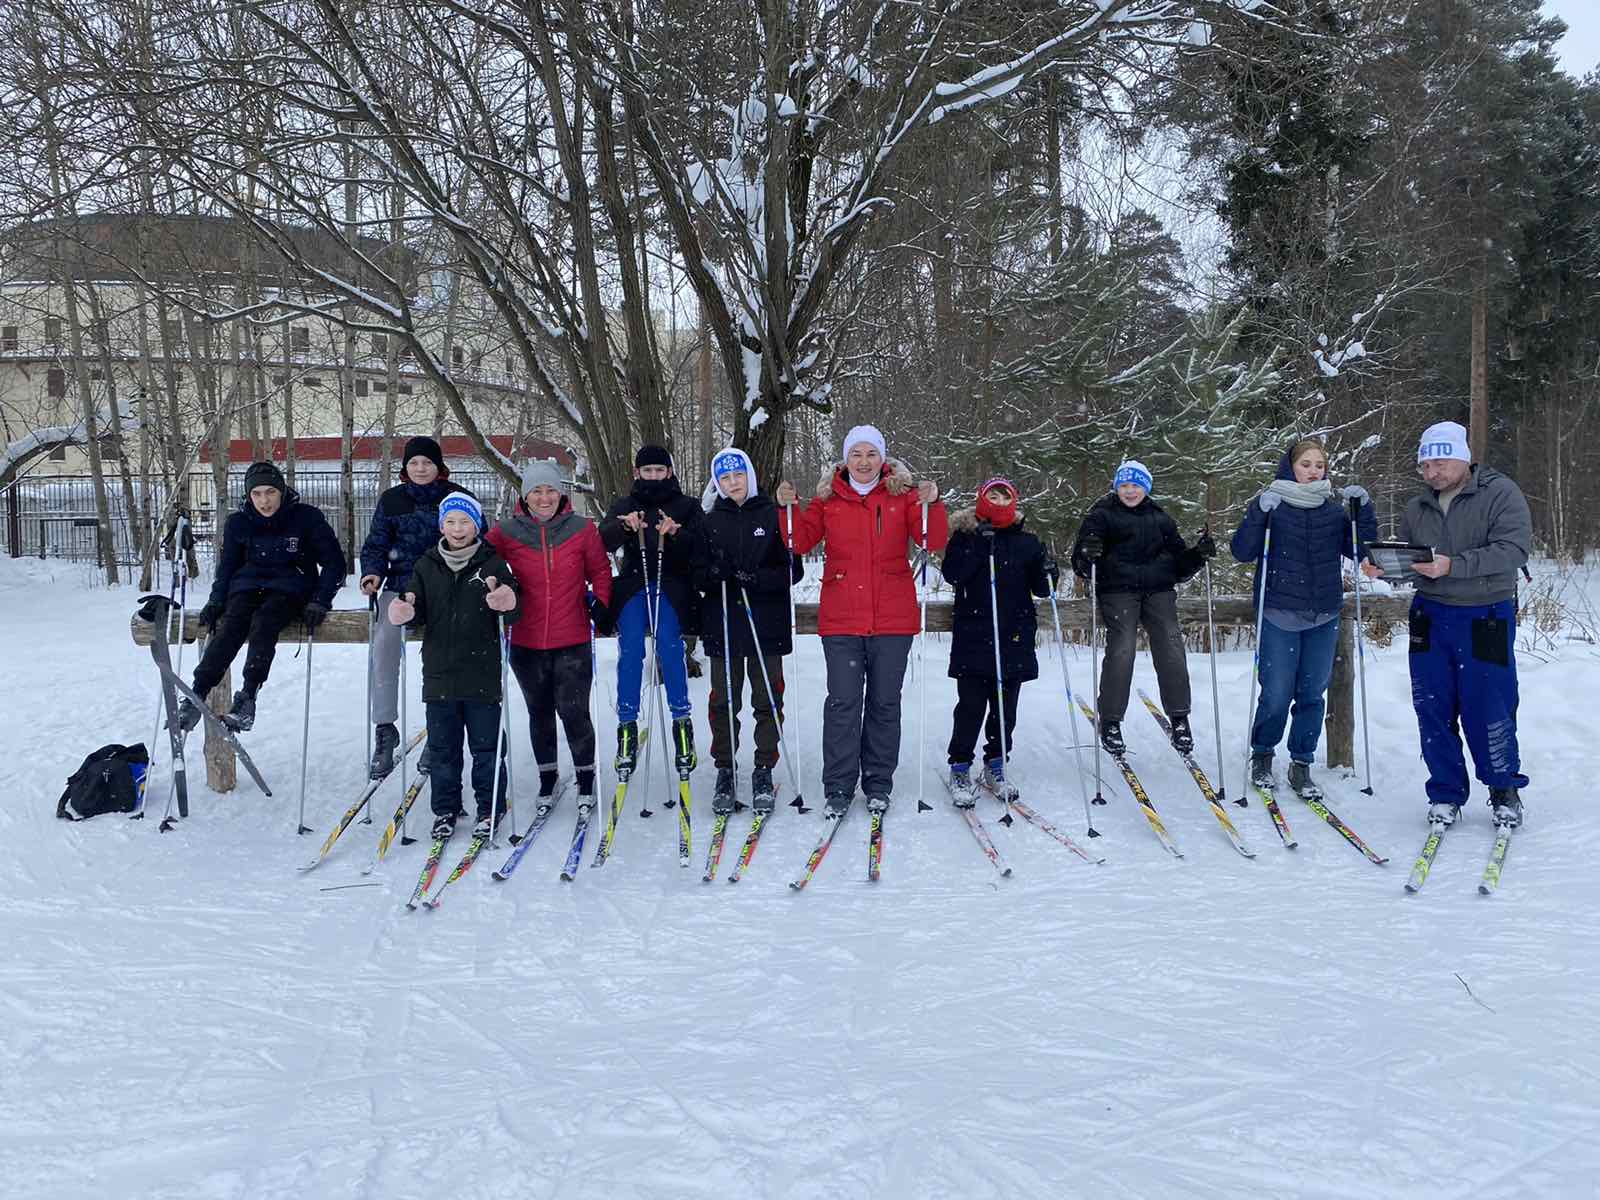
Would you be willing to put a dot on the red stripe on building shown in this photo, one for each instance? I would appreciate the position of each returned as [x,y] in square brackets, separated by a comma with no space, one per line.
[370,449]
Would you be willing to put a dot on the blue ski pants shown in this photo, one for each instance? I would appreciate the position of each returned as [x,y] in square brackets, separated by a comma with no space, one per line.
[1464,681]
[633,625]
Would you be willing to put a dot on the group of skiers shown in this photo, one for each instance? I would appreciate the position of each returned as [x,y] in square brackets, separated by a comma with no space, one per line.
[725,569]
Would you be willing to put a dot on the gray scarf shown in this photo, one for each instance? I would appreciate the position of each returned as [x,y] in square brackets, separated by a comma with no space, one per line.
[1303,495]
[457,560]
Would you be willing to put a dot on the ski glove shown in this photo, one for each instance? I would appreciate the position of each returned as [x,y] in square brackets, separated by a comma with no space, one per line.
[1094,547]
[210,615]
[1205,547]
[1269,501]
[1355,492]
[746,579]
[1050,570]
[720,570]
[315,614]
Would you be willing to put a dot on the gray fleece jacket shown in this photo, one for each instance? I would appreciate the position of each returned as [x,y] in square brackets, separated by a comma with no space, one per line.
[1487,534]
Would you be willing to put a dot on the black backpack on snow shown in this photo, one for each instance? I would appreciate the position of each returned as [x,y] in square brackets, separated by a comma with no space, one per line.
[110,780]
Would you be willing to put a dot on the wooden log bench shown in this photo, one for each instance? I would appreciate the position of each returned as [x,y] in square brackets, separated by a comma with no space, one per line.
[349,627]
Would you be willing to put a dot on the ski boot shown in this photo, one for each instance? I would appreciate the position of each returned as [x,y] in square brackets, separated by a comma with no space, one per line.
[763,796]
[189,715]
[1443,816]
[444,827]
[963,792]
[627,748]
[1300,780]
[877,805]
[1261,770]
[1507,805]
[683,743]
[482,828]
[548,778]
[835,805]
[1111,737]
[722,798]
[1182,735]
[385,741]
[994,778]
[242,716]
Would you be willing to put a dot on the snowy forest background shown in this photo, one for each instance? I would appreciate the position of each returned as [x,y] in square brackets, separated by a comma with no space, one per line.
[1023,238]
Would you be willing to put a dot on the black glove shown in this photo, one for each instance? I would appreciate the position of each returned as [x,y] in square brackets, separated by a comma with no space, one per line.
[600,615]
[315,614]
[210,615]
[1205,547]
[1094,547]
[986,528]
[1051,571]
[720,569]
[745,579]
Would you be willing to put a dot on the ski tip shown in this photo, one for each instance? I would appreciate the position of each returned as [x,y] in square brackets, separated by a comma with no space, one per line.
[497,877]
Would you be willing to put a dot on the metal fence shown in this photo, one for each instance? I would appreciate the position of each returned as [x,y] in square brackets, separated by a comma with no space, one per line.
[54,516]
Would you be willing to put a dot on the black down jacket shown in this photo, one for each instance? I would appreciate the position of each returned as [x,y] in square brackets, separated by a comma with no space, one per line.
[1019,571]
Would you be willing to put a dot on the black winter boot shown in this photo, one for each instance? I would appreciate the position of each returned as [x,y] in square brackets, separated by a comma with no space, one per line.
[1182,735]
[1507,805]
[1111,737]
[722,797]
[763,796]
[242,715]
[189,714]
[1300,780]
[385,741]
[1261,770]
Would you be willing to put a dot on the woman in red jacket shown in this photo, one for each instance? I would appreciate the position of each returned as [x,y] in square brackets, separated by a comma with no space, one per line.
[867,511]
[557,557]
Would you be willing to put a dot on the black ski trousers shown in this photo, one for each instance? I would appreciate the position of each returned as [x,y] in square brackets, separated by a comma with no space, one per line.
[768,714]
[257,617]
[556,683]
[975,697]
[1123,613]
[478,722]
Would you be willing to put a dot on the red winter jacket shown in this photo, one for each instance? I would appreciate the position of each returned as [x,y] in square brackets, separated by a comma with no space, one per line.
[867,587]
[554,561]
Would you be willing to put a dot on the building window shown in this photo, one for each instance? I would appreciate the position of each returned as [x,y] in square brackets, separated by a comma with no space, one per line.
[380,344]
[111,449]
[172,331]
[52,331]
[408,351]
[100,332]
[380,387]
[280,381]
[96,374]
[312,381]
[56,383]
[59,454]
[300,339]
[8,338]
[511,365]
[361,387]
[405,389]
[458,356]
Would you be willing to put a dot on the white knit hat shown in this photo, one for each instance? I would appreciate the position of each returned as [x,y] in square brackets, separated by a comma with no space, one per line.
[1445,439]
[864,433]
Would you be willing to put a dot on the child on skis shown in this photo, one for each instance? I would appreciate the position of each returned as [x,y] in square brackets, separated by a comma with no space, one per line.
[558,559]
[280,562]
[655,526]
[868,510]
[405,524]
[742,556]
[991,532]
[1133,550]
[459,591]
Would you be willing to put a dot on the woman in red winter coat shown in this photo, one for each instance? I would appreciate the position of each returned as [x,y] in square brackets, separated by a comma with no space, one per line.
[558,558]
[867,511]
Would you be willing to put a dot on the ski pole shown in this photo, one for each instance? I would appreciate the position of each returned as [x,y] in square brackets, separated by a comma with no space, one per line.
[405,735]
[161,698]
[499,740]
[372,643]
[772,697]
[1361,652]
[1072,711]
[999,680]
[305,732]
[1216,702]
[1094,669]
[794,635]
[727,674]
[183,622]
[922,672]
[1255,665]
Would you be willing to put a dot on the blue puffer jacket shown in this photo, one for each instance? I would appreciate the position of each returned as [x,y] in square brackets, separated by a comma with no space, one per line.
[1305,575]
[405,526]
[294,551]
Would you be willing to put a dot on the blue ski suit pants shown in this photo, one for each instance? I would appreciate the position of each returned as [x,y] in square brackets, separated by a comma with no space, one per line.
[633,624]
[1464,681]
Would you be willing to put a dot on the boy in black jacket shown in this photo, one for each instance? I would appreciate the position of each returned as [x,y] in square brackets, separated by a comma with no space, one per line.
[1141,560]
[741,548]
[654,586]
[1023,569]
[459,591]
[280,561]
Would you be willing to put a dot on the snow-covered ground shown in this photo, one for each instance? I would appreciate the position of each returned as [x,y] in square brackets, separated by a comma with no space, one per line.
[187,1016]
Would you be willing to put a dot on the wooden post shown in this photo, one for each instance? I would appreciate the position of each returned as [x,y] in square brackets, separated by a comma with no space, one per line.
[222,766]
[1341,717]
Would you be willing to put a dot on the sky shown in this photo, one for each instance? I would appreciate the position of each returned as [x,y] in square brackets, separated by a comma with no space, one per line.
[1580,49]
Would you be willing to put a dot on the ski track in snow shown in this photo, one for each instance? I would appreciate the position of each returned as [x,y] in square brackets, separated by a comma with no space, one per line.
[185,1015]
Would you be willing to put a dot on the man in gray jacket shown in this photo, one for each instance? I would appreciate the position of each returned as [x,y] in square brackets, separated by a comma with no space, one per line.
[1464,624]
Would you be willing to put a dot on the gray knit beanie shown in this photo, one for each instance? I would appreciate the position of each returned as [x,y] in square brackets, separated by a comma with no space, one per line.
[539,471]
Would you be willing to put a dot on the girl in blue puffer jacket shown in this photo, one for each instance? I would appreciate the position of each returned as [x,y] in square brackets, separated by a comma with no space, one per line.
[1304,589]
